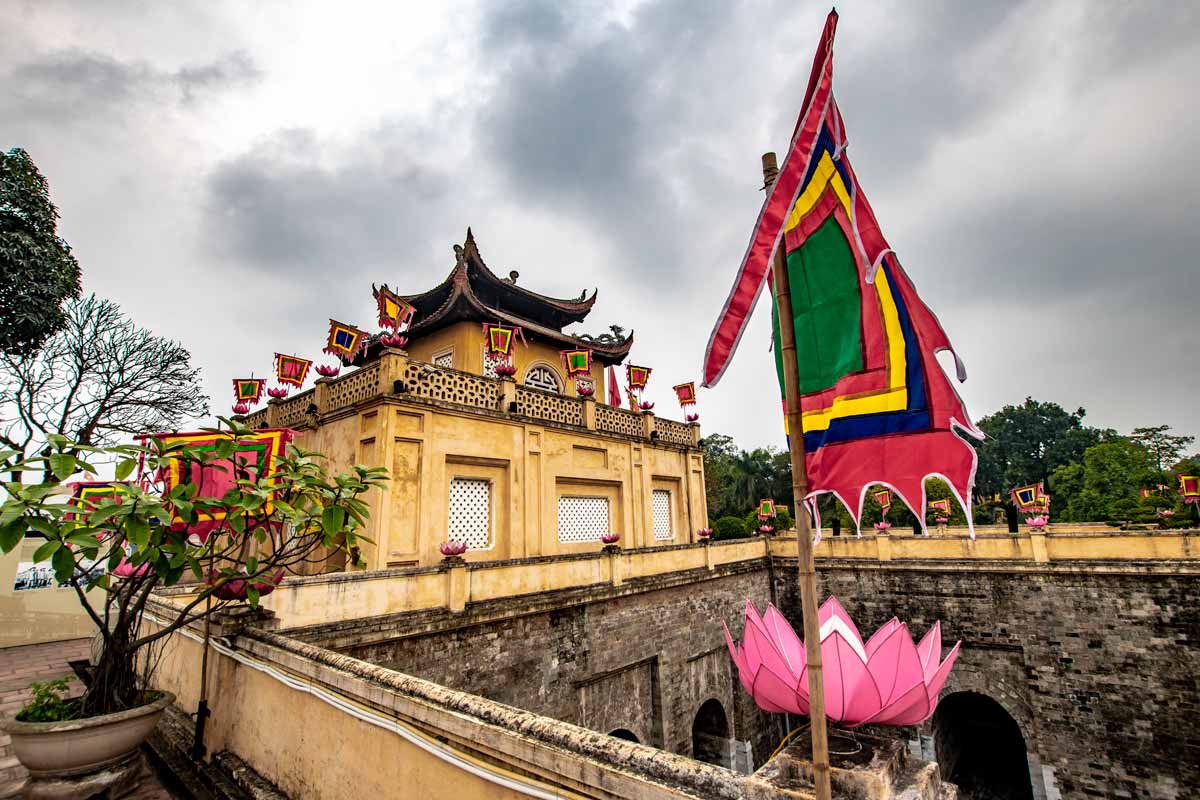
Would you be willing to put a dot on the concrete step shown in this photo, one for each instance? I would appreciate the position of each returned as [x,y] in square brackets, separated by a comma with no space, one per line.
[12,775]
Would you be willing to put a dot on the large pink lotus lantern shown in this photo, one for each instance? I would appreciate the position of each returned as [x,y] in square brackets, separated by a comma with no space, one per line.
[885,681]
[1037,523]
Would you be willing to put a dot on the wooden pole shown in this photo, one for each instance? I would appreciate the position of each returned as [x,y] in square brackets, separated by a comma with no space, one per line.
[807,573]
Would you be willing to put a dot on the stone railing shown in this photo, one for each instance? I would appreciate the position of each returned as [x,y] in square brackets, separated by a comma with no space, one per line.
[611,419]
[673,432]
[1084,543]
[362,384]
[396,375]
[450,385]
[545,405]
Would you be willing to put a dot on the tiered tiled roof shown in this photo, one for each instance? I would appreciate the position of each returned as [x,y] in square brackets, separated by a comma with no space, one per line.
[473,293]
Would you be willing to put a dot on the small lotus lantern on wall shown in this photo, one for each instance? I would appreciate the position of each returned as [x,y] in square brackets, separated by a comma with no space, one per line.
[609,541]
[452,550]
[886,680]
[1037,523]
[278,392]
[397,340]
[883,526]
[705,534]
[646,405]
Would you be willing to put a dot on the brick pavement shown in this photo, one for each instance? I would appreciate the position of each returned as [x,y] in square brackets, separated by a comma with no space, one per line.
[21,666]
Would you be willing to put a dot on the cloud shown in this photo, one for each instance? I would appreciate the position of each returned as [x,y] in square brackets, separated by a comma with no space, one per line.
[77,86]
[1032,164]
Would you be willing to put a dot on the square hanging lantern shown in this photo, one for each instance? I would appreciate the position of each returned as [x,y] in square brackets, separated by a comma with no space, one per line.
[394,311]
[637,377]
[686,392]
[766,508]
[884,498]
[344,340]
[291,369]
[499,339]
[942,505]
[1189,487]
[248,390]
[577,362]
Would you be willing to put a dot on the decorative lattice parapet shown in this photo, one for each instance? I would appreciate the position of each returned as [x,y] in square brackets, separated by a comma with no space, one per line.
[360,385]
[610,419]
[450,385]
[549,406]
[258,419]
[292,412]
[672,432]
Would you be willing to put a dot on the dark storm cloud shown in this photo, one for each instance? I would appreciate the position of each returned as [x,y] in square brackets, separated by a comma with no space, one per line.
[278,208]
[75,85]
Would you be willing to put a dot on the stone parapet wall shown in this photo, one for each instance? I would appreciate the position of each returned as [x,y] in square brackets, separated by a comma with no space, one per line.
[1097,661]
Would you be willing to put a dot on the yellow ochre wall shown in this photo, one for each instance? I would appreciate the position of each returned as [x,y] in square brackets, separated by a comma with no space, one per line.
[465,341]
[529,465]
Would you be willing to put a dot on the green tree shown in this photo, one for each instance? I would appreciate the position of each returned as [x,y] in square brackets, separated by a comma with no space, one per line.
[1113,472]
[1026,443]
[1065,487]
[719,452]
[37,270]
[751,477]
[1164,448]
[97,380]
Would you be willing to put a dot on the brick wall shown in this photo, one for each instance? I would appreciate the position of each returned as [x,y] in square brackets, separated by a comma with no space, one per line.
[643,660]
[1099,666]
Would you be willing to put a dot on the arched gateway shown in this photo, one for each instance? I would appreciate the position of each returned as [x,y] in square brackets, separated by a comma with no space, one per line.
[980,748]
[711,741]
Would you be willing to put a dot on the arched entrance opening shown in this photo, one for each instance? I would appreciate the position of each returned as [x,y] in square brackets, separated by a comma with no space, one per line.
[623,733]
[710,735]
[980,748]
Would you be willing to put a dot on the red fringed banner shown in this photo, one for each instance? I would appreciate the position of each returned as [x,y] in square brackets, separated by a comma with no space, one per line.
[291,369]
[637,377]
[344,340]
[248,390]
[394,311]
[686,392]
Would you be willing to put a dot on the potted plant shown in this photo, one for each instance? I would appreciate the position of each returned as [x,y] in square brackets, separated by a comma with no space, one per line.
[209,515]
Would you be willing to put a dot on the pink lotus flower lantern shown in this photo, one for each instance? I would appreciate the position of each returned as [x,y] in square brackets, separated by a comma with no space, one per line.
[452,548]
[585,391]
[765,529]
[506,370]
[241,408]
[885,681]
[239,588]
[328,370]
[1037,523]
[883,526]
[278,392]
[610,538]
[393,340]
[646,405]
[692,417]
[704,533]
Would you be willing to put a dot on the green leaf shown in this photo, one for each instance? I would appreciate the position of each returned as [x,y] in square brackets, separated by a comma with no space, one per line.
[11,534]
[252,596]
[125,468]
[251,565]
[333,518]
[46,551]
[64,564]
[62,465]
[137,531]
[84,538]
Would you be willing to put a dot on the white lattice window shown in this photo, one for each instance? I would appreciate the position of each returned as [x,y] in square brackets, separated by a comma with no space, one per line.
[582,519]
[540,377]
[662,514]
[445,359]
[471,512]
[490,362]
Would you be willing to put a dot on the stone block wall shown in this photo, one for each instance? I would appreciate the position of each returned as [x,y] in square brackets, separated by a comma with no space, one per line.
[642,660]
[1098,664]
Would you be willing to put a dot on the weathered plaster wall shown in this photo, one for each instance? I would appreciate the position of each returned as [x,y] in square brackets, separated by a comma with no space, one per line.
[1099,664]
[643,661]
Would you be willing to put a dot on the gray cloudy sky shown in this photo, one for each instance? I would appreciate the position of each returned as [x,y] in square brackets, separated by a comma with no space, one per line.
[235,173]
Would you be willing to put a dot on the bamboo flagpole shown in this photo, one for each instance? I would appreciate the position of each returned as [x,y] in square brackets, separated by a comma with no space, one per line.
[807,577]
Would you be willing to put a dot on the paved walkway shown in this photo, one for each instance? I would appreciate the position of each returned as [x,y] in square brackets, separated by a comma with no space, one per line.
[21,666]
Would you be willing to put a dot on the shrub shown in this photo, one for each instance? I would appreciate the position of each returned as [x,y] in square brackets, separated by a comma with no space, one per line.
[49,705]
[729,528]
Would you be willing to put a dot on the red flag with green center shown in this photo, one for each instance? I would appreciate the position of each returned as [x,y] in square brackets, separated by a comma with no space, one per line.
[876,406]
